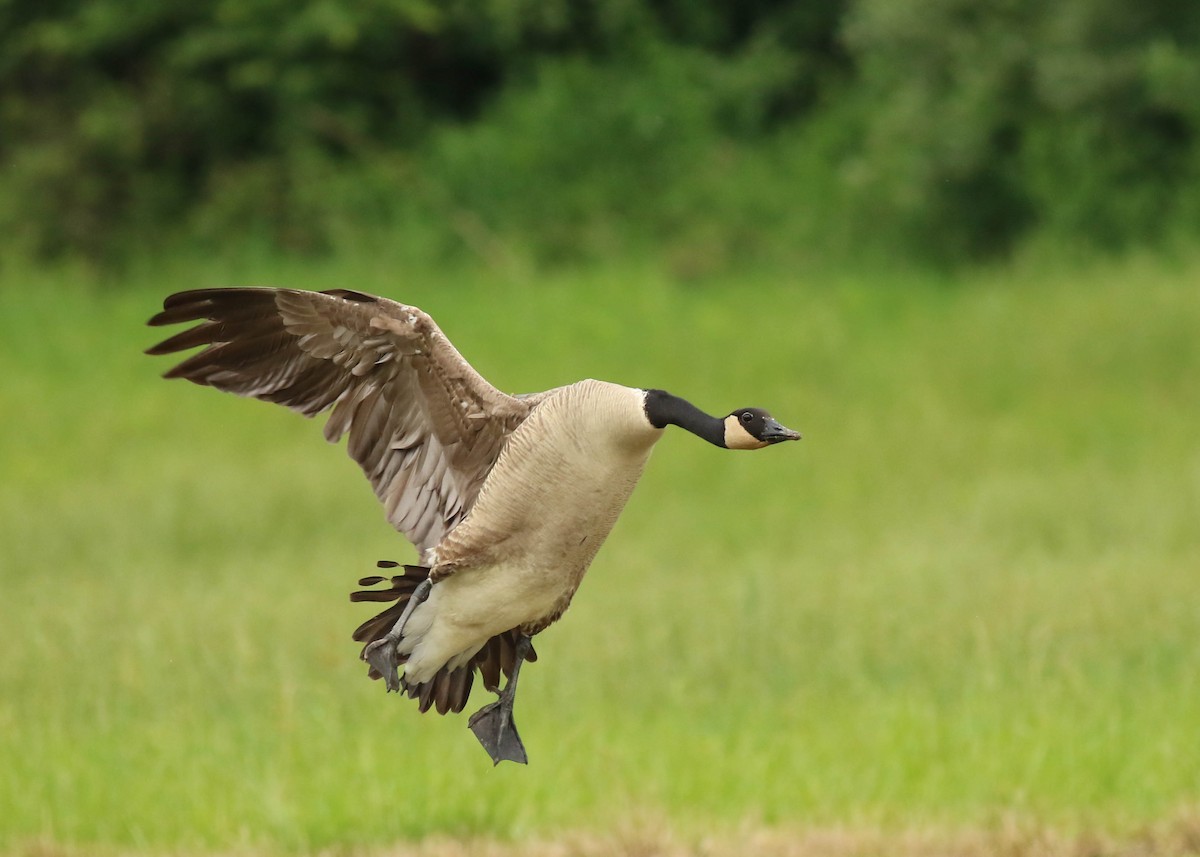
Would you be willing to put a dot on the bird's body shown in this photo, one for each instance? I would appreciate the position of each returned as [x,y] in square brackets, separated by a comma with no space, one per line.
[507,498]
[546,507]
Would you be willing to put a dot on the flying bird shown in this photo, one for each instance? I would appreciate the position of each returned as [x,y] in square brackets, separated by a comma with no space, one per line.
[506,498]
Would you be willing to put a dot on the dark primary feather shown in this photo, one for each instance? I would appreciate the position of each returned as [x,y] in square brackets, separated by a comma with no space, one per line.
[423,425]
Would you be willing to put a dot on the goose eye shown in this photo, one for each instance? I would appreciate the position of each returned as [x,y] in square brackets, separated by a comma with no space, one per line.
[747,417]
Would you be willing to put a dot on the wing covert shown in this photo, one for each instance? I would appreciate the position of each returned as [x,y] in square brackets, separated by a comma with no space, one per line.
[423,425]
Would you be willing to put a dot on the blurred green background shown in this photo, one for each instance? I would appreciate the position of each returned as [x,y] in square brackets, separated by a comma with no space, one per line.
[703,134]
[953,242]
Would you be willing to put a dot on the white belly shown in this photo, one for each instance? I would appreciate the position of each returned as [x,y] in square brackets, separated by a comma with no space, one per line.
[466,610]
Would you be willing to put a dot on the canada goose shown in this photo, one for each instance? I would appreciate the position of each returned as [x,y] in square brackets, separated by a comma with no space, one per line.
[507,498]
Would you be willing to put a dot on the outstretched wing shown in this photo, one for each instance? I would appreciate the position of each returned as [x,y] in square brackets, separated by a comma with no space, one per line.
[424,426]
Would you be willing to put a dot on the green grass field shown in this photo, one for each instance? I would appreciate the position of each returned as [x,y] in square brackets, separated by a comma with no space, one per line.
[970,596]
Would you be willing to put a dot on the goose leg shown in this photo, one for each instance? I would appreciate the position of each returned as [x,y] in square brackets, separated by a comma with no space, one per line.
[493,724]
[381,654]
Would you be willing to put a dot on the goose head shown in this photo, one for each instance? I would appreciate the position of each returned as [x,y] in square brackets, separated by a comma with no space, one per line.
[754,428]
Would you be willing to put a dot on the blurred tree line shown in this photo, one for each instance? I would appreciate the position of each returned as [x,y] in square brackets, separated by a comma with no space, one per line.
[705,133]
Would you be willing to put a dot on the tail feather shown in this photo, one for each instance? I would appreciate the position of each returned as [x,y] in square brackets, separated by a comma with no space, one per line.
[488,662]
[448,690]
[423,693]
[459,689]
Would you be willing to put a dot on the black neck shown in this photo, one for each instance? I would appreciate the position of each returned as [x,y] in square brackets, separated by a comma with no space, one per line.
[663,409]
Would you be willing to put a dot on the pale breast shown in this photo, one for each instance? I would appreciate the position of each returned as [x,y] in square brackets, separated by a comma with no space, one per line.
[557,489]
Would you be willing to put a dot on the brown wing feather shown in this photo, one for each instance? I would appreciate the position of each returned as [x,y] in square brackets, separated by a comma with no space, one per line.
[423,425]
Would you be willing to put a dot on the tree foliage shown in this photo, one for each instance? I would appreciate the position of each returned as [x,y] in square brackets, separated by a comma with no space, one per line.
[988,119]
[952,129]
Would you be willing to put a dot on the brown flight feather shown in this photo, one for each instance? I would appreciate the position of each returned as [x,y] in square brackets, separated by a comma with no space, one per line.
[423,425]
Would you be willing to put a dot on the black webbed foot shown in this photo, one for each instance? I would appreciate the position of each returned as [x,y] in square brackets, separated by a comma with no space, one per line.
[384,659]
[493,724]
[382,654]
[494,727]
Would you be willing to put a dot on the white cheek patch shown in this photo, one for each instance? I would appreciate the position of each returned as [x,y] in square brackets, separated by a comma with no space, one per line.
[737,437]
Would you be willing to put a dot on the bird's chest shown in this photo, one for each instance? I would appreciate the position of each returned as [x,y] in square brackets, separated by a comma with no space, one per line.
[518,563]
[548,506]
[561,519]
